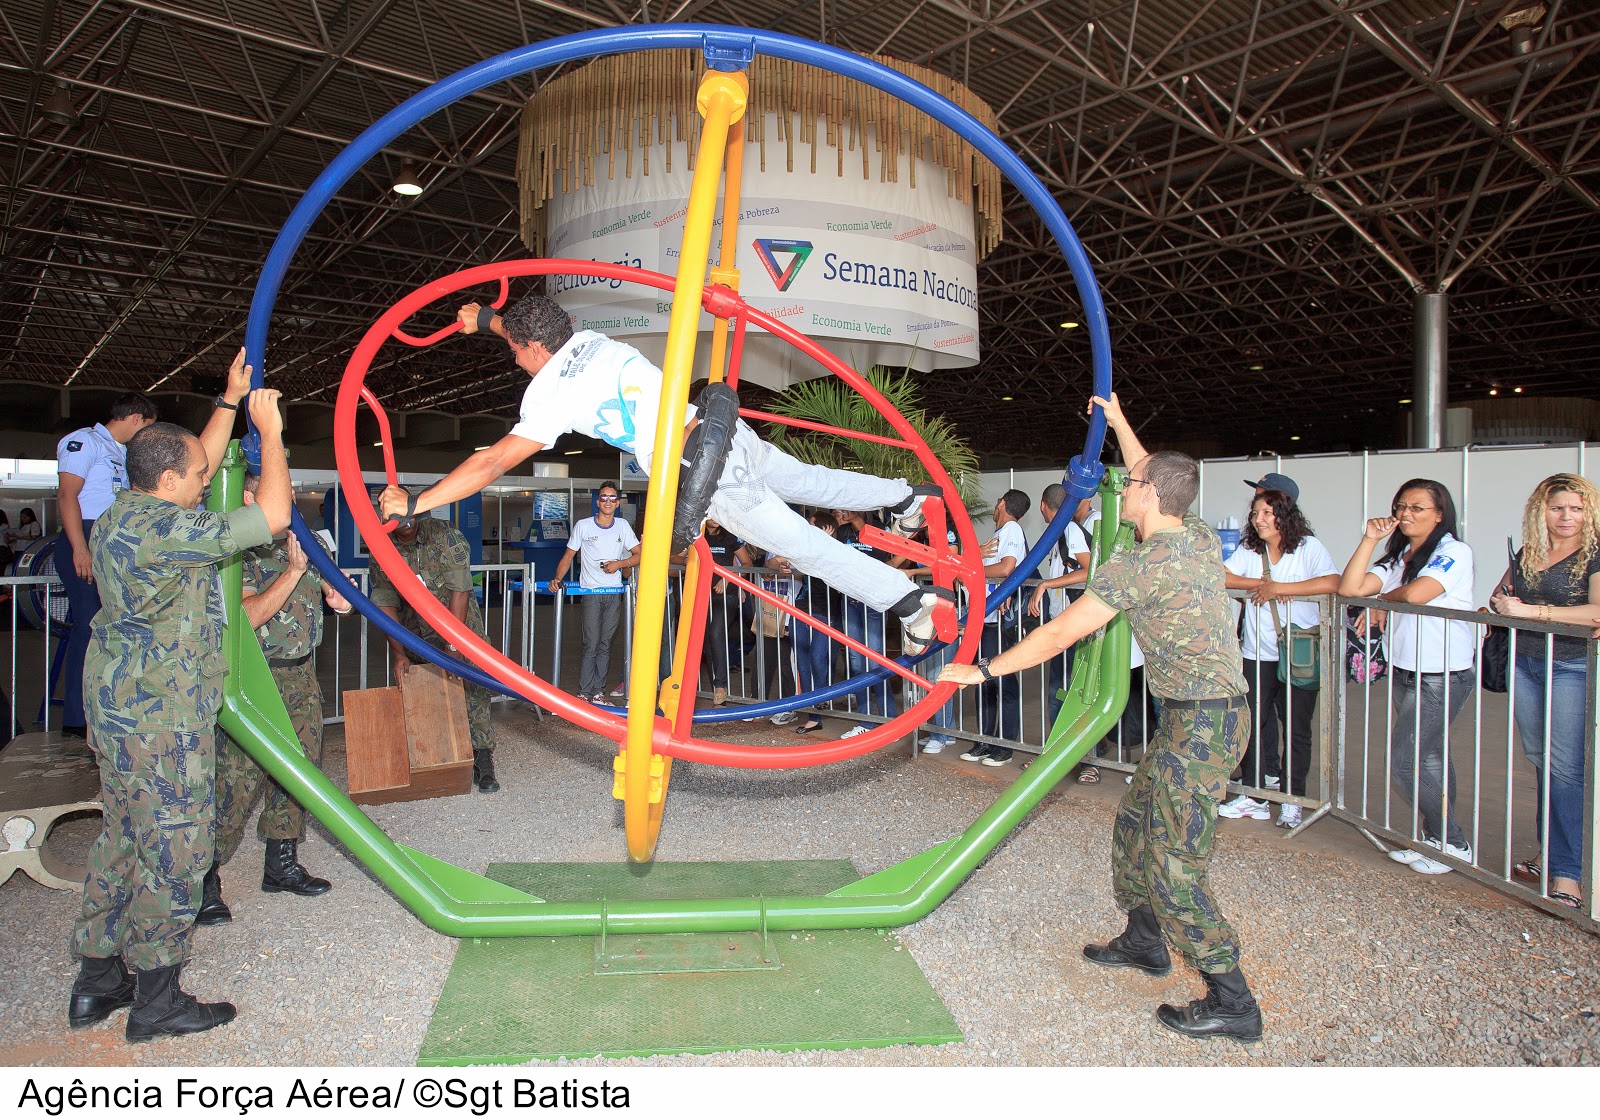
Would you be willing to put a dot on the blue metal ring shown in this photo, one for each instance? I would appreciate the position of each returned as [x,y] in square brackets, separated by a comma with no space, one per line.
[719,43]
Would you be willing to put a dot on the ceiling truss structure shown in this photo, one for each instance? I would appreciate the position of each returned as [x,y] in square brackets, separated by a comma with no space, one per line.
[1263,187]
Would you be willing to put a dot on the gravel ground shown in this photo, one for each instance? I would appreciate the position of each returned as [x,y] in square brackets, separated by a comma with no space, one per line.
[1354,960]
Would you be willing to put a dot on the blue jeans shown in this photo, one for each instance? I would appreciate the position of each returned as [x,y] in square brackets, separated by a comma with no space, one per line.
[1000,700]
[928,667]
[866,627]
[813,655]
[1430,768]
[84,599]
[1569,686]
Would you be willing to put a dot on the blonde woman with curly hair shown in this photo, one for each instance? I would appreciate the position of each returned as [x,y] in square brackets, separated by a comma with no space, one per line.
[1555,578]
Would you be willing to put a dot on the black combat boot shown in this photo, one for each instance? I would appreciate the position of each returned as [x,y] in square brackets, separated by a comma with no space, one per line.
[483,771]
[1139,946]
[1228,1011]
[213,911]
[282,871]
[161,1007]
[103,985]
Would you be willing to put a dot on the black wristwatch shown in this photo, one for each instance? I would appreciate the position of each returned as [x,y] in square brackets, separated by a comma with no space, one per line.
[224,404]
[983,667]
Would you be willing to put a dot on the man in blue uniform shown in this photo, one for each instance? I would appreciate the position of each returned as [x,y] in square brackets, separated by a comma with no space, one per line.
[92,466]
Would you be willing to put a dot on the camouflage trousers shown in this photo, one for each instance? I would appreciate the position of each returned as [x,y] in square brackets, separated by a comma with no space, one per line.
[143,882]
[1161,841]
[240,780]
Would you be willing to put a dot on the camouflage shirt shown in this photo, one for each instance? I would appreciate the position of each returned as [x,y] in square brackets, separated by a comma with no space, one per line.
[1171,587]
[296,630]
[442,559]
[155,648]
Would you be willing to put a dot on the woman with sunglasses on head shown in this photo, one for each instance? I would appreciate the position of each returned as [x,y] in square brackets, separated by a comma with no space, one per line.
[1556,578]
[1277,559]
[1432,658]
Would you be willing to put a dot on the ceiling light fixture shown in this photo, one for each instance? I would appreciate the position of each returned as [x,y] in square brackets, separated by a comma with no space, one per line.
[1257,369]
[1294,437]
[1518,389]
[1005,398]
[58,108]
[407,184]
[1069,325]
[1494,392]
[1405,400]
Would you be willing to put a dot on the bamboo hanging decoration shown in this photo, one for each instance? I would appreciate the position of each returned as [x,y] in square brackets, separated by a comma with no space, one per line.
[642,100]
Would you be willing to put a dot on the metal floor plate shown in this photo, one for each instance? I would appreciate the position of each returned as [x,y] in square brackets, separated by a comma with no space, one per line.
[519,999]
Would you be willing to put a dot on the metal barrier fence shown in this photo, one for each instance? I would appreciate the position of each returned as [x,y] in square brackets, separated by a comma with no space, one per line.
[1345,748]
[1435,756]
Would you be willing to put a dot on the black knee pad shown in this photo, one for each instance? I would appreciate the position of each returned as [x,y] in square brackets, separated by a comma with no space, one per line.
[705,453]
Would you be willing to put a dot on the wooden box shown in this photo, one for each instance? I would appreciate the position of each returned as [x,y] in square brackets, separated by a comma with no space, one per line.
[409,742]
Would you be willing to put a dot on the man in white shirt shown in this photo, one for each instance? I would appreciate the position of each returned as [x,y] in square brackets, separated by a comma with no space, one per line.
[1069,556]
[1000,700]
[92,466]
[608,548]
[596,386]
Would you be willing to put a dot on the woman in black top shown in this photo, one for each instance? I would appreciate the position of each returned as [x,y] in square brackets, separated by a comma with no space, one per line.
[1556,578]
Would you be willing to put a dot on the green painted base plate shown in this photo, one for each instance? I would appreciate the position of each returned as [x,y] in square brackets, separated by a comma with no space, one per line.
[518,999]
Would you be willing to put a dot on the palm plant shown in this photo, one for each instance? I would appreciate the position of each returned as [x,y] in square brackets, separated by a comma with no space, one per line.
[827,400]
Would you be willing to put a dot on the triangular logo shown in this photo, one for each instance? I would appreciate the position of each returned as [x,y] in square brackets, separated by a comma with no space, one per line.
[769,248]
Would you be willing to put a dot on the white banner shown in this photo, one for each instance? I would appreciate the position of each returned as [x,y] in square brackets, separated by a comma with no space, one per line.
[885,273]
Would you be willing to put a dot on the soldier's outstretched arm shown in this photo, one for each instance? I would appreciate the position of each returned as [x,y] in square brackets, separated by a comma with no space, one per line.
[274,494]
[1072,625]
[1132,449]
[261,605]
[219,429]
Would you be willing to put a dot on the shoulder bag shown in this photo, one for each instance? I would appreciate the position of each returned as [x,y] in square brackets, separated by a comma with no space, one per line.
[1494,666]
[1299,647]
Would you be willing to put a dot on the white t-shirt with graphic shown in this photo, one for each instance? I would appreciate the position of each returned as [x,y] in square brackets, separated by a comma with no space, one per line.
[595,386]
[1418,643]
[1012,544]
[1310,560]
[595,545]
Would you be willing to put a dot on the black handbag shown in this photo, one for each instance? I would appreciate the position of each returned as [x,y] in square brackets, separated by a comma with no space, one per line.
[1494,666]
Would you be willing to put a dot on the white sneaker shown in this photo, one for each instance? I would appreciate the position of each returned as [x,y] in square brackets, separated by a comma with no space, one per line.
[1271,781]
[1288,816]
[620,690]
[1243,806]
[784,718]
[917,632]
[1422,865]
[1407,855]
[907,521]
[854,731]
[937,744]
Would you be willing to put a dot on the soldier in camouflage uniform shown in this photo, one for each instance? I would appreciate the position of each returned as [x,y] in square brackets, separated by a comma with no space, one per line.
[283,600]
[1170,585]
[153,687]
[442,559]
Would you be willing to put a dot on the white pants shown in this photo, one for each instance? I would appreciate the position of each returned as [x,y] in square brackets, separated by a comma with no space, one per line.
[758,481]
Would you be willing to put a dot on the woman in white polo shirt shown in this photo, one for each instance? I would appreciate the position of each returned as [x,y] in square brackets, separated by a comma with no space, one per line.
[1277,558]
[1432,658]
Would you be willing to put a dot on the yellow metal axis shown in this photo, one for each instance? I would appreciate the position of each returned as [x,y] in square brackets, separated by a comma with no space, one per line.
[725,273]
[721,101]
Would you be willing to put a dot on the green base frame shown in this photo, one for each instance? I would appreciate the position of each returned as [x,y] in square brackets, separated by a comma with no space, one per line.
[459,903]
[542,998]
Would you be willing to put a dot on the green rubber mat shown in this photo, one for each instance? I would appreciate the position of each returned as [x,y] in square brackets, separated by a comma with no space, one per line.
[515,999]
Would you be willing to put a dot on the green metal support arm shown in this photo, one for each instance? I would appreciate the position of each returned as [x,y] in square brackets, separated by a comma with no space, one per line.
[462,904]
